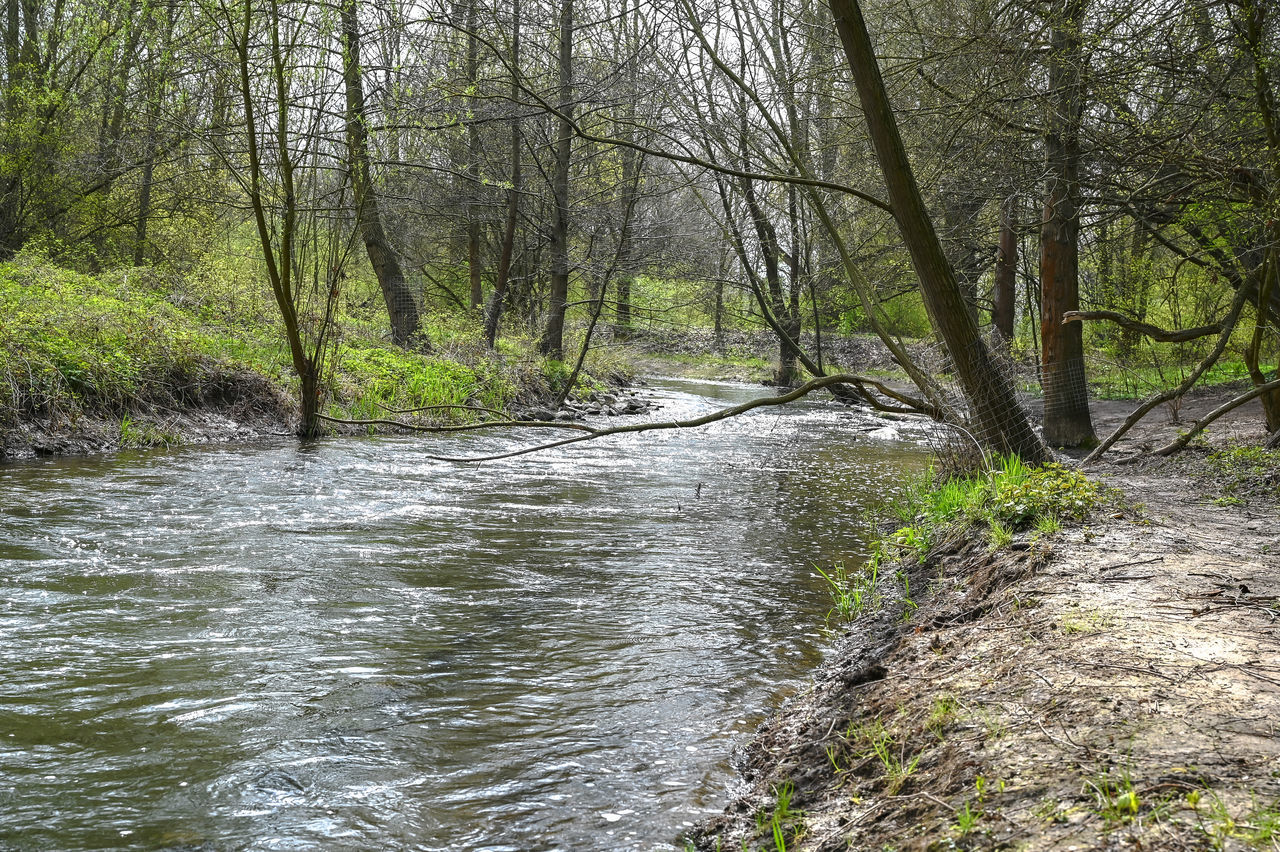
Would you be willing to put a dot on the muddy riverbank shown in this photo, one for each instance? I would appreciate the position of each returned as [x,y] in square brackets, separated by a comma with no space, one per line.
[1115,686]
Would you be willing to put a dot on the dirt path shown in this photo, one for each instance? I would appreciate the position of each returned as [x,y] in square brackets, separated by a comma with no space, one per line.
[1117,687]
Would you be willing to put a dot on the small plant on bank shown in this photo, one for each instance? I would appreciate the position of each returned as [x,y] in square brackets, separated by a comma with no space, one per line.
[966,820]
[943,713]
[1114,796]
[999,535]
[1258,828]
[872,739]
[852,594]
[781,823]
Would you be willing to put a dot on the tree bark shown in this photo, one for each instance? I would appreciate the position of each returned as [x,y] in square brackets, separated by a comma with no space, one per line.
[473,162]
[1067,422]
[999,422]
[1006,277]
[552,343]
[494,309]
[401,309]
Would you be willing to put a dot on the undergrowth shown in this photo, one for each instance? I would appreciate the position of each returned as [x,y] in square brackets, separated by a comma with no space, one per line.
[138,345]
[1007,500]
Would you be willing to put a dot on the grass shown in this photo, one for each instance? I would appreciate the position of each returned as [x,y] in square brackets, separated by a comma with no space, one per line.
[1244,471]
[1115,798]
[136,345]
[1110,379]
[781,823]
[852,594]
[1258,827]
[943,713]
[1009,498]
[872,739]
[1081,620]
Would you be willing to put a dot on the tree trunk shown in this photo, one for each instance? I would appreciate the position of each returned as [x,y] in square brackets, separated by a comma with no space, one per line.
[401,309]
[1006,277]
[999,423]
[144,199]
[473,162]
[494,310]
[552,343]
[1066,395]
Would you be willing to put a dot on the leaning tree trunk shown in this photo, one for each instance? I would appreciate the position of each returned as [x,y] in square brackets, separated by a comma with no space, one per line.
[1000,423]
[401,309]
[552,342]
[1066,395]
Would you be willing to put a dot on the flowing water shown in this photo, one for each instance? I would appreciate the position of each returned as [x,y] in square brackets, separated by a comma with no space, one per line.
[348,646]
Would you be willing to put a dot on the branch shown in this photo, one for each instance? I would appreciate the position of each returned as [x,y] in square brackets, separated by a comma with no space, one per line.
[1228,326]
[468,427]
[722,414]
[1182,440]
[1181,335]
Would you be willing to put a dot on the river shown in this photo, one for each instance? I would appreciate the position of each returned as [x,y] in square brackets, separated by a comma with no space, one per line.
[344,645]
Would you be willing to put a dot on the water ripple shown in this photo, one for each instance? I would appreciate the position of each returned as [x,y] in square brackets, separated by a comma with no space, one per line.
[348,645]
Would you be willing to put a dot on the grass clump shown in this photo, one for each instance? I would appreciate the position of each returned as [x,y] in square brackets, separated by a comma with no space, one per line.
[782,824]
[1009,498]
[1245,471]
[873,740]
[852,594]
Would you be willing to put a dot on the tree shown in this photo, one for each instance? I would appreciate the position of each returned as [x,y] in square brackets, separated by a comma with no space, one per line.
[401,308]
[552,342]
[285,164]
[1000,423]
[1066,396]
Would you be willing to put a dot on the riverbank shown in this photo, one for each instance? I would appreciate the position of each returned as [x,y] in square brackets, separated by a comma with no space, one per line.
[133,358]
[1113,686]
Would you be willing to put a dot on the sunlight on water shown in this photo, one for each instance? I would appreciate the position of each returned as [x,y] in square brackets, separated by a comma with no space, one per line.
[346,645]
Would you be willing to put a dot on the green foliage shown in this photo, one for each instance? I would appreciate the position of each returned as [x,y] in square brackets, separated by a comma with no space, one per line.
[73,343]
[873,739]
[944,710]
[1012,497]
[1245,470]
[143,435]
[1114,796]
[373,378]
[966,819]
[904,316]
[852,595]
[781,823]
[124,343]
[1025,497]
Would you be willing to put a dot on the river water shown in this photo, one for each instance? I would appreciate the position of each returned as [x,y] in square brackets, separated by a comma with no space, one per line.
[347,646]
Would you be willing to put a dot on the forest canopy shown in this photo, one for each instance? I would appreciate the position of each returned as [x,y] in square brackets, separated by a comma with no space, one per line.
[1086,193]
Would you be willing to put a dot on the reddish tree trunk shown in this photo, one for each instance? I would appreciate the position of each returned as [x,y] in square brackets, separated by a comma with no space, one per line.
[1067,422]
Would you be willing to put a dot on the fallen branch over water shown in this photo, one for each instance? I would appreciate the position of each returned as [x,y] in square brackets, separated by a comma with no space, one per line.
[589,433]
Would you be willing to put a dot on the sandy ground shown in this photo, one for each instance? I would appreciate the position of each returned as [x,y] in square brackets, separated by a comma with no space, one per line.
[1114,687]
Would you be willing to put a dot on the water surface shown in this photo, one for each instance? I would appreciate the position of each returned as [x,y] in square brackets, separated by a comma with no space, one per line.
[345,645]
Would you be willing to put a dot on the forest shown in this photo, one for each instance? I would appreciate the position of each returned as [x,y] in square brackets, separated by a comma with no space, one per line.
[533,179]
[426,379]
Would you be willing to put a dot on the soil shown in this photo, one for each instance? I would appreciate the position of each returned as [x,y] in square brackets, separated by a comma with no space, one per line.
[1116,686]
[239,406]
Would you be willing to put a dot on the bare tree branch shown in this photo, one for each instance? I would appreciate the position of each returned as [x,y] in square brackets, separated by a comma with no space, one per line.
[1181,335]
[632,428]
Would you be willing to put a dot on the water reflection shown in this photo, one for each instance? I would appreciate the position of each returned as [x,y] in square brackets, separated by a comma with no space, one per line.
[350,646]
